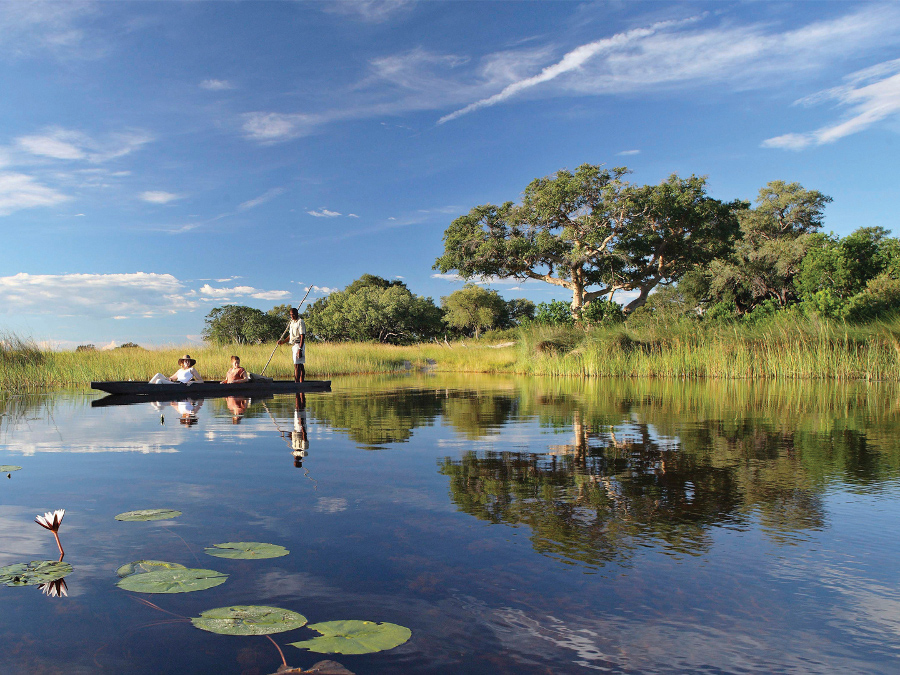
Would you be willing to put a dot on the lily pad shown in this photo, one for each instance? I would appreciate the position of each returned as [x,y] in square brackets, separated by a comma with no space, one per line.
[248,620]
[34,573]
[354,637]
[144,566]
[172,581]
[246,550]
[149,514]
[9,468]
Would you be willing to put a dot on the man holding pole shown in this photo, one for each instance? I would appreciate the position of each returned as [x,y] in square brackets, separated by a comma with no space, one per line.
[297,339]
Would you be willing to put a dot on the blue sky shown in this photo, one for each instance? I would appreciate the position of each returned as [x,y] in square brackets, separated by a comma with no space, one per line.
[161,159]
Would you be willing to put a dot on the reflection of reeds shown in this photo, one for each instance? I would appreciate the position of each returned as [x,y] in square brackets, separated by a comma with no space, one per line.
[783,348]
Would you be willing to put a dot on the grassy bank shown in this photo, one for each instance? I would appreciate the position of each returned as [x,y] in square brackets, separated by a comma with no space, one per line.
[24,366]
[783,348]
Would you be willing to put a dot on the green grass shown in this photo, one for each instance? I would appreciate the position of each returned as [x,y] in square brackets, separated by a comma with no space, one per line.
[784,348]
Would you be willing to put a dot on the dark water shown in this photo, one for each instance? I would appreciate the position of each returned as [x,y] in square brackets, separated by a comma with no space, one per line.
[514,525]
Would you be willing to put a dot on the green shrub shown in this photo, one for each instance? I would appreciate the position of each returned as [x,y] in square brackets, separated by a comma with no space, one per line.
[554,313]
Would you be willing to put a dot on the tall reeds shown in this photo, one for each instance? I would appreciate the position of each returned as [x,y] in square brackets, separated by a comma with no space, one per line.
[783,348]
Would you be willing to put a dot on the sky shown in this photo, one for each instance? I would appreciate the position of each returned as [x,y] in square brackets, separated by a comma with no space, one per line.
[159,159]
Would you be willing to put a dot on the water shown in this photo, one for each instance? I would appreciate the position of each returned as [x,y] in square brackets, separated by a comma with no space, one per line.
[514,525]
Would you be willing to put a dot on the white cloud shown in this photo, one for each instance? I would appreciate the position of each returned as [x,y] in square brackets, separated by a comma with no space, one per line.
[627,153]
[373,11]
[574,60]
[665,56]
[158,197]
[42,27]
[57,145]
[210,292]
[871,95]
[352,215]
[262,199]
[324,213]
[325,289]
[20,191]
[94,295]
[69,144]
[273,127]
[271,295]
[216,85]
[448,277]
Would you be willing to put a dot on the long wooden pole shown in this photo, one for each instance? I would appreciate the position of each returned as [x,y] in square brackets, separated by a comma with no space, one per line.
[308,289]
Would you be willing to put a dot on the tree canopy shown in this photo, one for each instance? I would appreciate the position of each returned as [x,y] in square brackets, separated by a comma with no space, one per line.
[473,308]
[594,233]
[237,324]
[374,309]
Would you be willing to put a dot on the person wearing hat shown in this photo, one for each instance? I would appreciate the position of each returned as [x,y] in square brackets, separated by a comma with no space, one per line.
[185,374]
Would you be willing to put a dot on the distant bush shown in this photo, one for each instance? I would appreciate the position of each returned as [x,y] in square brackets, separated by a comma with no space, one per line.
[86,348]
[603,313]
[129,345]
[881,297]
[553,313]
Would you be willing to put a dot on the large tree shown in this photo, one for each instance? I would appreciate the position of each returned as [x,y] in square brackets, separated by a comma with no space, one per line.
[775,238]
[239,324]
[373,308]
[594,233]
[473,308]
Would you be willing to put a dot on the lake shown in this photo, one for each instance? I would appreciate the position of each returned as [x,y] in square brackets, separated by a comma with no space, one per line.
[514,525]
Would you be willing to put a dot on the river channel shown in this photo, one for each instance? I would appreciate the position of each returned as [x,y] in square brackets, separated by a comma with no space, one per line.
[513,525]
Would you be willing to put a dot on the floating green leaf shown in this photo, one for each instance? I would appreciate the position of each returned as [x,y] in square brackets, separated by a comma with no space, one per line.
[144,566]
[149,514]
[246,550]
[354,637]
[248,620]
[172,581]
[9,468]
[34,573]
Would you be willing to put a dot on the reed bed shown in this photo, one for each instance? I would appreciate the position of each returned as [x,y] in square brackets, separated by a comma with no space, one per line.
[25,367]
[784,348]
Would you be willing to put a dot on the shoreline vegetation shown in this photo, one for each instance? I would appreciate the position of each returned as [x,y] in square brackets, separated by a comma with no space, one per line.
[783,348]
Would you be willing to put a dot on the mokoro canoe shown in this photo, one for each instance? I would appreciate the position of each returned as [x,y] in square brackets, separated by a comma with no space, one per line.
[211,389]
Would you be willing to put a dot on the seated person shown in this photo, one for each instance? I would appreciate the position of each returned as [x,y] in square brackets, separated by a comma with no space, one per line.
[237,374]
[185,374]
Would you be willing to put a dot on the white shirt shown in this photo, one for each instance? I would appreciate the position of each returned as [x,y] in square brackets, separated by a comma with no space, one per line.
[296,329]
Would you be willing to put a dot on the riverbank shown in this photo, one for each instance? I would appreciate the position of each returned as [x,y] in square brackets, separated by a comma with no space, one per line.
[785,348]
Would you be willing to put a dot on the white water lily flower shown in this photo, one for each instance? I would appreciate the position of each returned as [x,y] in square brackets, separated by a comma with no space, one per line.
[51,520]
[55,589]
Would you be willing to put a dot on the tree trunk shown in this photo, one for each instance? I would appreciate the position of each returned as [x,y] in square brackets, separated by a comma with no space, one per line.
[577,294]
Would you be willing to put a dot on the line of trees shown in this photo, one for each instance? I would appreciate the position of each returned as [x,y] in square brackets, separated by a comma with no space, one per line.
[374,309]
[677,250]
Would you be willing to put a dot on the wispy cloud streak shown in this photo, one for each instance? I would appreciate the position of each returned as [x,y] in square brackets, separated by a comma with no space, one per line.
[872,95]
[573,60]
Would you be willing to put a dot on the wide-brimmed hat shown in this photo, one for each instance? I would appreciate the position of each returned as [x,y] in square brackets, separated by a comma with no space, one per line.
[187,357]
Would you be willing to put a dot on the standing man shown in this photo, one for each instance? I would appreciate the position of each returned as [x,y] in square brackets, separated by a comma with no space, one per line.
[297,340]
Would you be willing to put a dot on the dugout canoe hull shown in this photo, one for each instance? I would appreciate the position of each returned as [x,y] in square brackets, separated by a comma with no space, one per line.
[169,392]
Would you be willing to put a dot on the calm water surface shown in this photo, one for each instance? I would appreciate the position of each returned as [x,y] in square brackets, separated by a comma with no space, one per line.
[514,525]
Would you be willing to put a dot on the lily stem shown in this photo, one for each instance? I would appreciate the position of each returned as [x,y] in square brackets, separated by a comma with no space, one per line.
[283,660]
[62,553]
